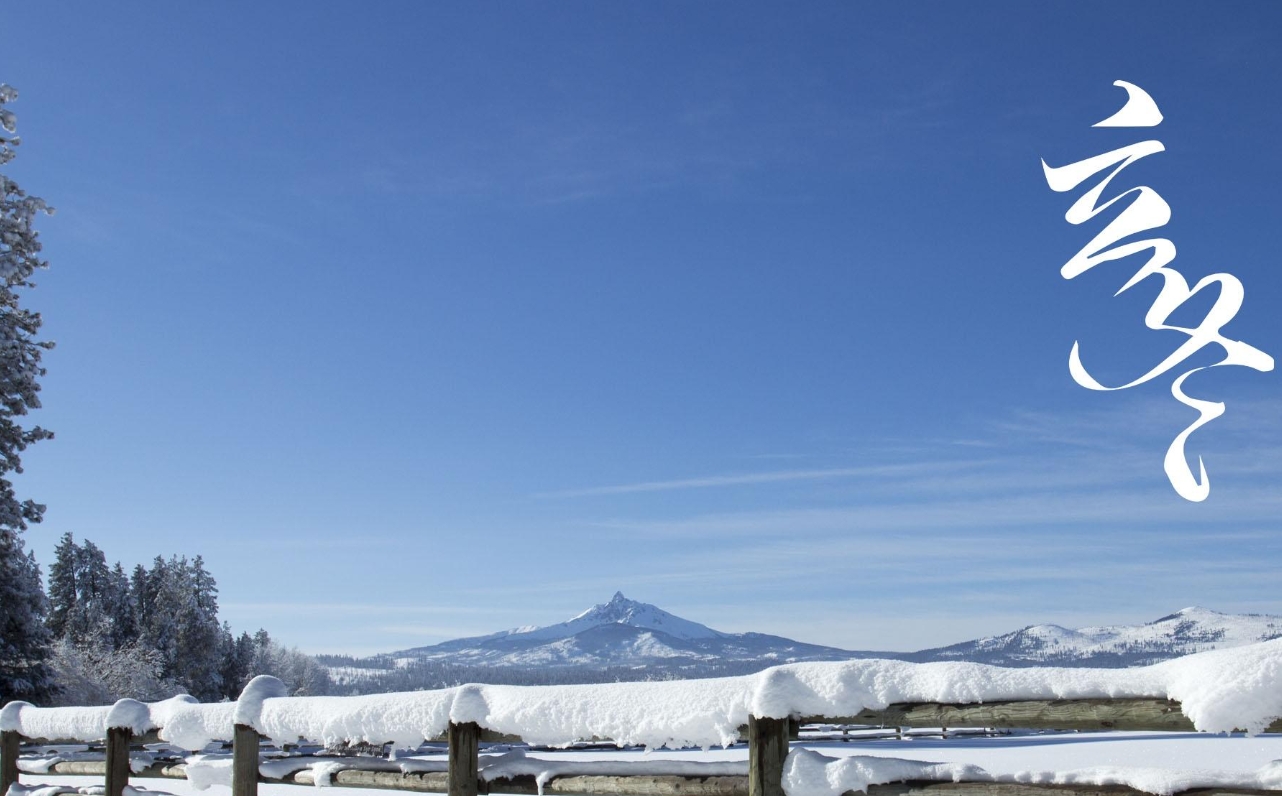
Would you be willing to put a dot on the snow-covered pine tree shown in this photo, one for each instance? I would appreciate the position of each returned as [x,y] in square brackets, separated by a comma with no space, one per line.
[200,636]
[119,606]
[24,639]
[62,584]
[88,602]
[87,620]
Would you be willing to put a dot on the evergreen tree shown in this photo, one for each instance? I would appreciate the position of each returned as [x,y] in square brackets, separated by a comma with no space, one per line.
[62,584]
[120,610]
[199,635]
[157,606]
[238,654]
[89,619]
[24,638]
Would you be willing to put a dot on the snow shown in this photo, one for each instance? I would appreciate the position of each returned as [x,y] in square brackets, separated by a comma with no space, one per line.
[41,764]
[91,790]
[810,773]
[129,714]
[513,647]
[205,770]
[1220,690]
[517,763]
[1186,631]
[1160,763]
[91,723]
[250,704]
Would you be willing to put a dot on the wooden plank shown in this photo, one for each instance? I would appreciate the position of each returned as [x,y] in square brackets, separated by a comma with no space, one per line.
[118,739]
[767,749]
[647,786]
[419,781]
[152,736]
[1064,714]
[10,748]
[464,741]
[84,768]
[99,768]
[244,761]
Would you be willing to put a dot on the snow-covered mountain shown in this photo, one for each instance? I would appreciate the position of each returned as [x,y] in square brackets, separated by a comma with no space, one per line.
[1181,633]
[622,633]
[626,639]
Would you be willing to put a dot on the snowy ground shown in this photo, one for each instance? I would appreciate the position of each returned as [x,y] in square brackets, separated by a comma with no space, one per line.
[1158,762]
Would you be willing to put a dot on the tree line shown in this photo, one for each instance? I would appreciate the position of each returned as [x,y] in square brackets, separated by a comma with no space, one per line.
[149,634]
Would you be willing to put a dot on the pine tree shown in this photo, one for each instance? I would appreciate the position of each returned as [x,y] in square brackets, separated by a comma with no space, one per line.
[120,609]
[89,619]
[237,655]
[24,639]
[199,649]
[62,584]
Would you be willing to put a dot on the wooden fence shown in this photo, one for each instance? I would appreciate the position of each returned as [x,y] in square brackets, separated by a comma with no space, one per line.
[768,746]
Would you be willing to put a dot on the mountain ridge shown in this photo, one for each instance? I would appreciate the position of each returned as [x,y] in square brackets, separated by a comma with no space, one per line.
[625,639]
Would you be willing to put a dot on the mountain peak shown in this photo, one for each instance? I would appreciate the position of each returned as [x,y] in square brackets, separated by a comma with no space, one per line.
[1192,612]
[622,611]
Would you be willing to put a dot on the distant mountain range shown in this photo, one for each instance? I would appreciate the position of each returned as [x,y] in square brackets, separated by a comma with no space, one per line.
[628,640]
[1181,633]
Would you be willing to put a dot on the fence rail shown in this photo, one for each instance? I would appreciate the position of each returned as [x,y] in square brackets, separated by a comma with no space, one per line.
[768,746]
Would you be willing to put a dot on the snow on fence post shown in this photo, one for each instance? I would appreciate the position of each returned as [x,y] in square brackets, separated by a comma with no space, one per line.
[464,741]
[9,750]
[118,759]
[244,761]
[245,738]
[767,749]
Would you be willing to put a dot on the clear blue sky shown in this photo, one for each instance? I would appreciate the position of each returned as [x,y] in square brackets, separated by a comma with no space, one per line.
[423,320]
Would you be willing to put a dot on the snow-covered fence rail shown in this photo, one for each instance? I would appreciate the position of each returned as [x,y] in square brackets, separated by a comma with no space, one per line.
[1219,691]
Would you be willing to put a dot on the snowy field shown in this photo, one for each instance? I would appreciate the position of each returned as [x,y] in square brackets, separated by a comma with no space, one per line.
[1160,763]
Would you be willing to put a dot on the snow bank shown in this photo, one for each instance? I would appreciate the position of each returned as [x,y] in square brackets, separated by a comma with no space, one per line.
[808,773]
[1220,690]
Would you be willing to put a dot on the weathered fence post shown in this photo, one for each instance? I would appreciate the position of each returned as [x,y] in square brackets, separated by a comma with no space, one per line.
[9,750]
[464,741]
[767,749]
[245,738]
[118,739]
[244,761]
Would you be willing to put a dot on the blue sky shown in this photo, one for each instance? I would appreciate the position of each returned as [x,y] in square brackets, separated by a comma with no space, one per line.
[427,320]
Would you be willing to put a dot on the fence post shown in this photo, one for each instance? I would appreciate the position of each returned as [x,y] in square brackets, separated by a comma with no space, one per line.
[767,749]
[464,740]
[244,761]
[9,750]
[118,759]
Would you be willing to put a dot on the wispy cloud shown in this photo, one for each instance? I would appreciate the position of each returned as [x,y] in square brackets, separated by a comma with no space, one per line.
[776,476]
